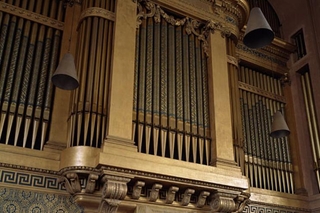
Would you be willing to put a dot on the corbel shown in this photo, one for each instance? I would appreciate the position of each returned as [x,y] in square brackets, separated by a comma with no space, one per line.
[137,189]
[171,193]
[114,190]
[220,203]
[202,199]
[187,196]
[154,194]
[91,183]
[71,182]
[242,201]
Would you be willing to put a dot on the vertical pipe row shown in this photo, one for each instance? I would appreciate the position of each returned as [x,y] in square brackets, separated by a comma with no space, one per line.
[267,160]
[312,123]
[170,92]
[89,111]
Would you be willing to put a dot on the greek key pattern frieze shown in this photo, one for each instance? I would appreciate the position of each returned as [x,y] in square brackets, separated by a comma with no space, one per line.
[36,17]
[29,180]
[254,208]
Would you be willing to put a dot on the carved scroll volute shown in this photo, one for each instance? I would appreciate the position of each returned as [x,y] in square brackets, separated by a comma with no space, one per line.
[137,189]
[154,194]
[222,204]
[114,190]
[202,199]
[91,183]
[187,196]
[171,194]
[241,201]
[71,182]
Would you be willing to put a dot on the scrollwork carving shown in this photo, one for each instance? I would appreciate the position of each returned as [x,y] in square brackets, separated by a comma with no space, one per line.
[71,182]
[171,193]
[154,194]
[91,183]
[202,199]
[114,190]
[222,204]
[187,196]
[137,189]
[241,202]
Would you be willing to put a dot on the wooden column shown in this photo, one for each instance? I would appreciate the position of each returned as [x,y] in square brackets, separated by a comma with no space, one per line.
[119,128]
[221,126]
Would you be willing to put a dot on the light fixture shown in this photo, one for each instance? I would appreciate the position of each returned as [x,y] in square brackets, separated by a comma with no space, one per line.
[279,127]
[65,76]
[258,32]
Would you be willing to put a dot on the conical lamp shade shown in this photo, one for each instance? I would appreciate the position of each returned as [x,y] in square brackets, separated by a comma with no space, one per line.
[258,32]
[65,76]
[279,126]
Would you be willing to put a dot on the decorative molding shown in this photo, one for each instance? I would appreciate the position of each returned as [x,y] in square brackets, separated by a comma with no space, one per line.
[33,180]
[233,60]
[32,16]
[159,177]
[191,25]
[96,12]
[271,208]
[258,91]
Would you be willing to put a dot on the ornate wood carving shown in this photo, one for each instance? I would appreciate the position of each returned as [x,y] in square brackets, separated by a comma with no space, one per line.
[261,92]
[32,16]
[137,189]
[171,194]
[222,204]
[97,12]
[114,190]
[187,196]
[202,199]
[154,194]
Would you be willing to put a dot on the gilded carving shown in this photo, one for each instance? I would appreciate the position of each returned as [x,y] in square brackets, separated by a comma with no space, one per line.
[137,189]
[154,194]
[187,196]
[171,193]
[29,15]
[202,199]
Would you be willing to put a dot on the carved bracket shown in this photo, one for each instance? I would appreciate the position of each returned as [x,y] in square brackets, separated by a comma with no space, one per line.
[171,193]
[137,189]
[221,202]
[187,196]
[114,190]
[154,194]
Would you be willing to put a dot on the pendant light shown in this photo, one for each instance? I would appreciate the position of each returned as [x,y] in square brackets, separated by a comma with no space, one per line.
[65,76]
[279,127]
[258,32]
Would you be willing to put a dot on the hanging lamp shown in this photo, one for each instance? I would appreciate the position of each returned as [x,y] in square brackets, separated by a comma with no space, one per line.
[65,76]
[258,32]
[279,127]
